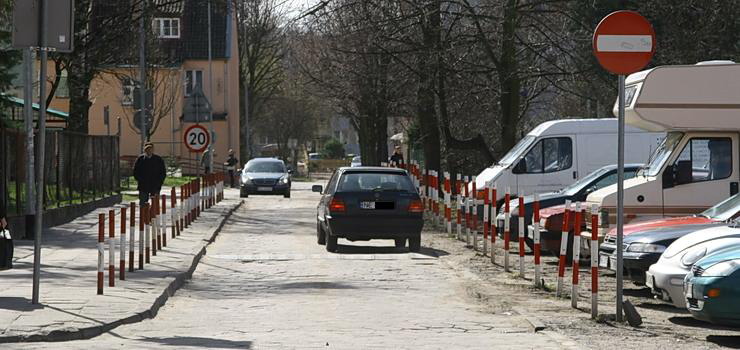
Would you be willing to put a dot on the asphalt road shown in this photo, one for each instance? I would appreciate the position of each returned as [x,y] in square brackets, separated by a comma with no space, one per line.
[266,284]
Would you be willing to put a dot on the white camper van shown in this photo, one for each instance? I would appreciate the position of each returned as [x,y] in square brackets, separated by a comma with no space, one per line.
[696,166]
[558,153]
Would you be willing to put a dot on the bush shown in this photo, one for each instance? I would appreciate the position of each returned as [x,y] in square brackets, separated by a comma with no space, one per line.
[333,149]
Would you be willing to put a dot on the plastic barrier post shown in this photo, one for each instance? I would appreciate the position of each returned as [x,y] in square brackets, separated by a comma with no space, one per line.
[536,237]
[132,238]
[594,261]
[142,239]
[122,261]
[563,249]
[486,219]
[181,211]
[101,251]
[507,234]
[146,212]
[576,255]
[157,222]
[521,236]
[494,225]
[465,208]
[458,200]
[173,213]
[111,248]
[474,214]
[163,219]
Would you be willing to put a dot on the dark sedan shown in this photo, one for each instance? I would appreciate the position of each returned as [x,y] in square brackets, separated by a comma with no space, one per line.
[364,203]
[576,192]
[265,176]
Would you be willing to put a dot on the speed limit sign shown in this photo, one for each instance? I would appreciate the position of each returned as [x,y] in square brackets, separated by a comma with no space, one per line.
[197,138]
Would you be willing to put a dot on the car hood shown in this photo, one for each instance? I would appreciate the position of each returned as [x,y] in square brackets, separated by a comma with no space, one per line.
[665,235]
[661,223]
[264,175]
[699,237]
[488,175]
[730,252]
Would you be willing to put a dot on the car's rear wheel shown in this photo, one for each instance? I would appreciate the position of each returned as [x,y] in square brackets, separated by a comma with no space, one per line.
[400,242]
[331,242]
[320,237]
[415,243]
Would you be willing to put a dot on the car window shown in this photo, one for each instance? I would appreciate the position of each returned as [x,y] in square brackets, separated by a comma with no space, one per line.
[612,179]
[549,155]
[265,167]
[710,158]
[367,182]
[332,183]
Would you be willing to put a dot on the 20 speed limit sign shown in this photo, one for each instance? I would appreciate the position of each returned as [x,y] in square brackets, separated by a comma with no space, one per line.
[197,138]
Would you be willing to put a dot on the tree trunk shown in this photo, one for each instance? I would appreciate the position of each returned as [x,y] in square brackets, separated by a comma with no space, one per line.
[426,92]
[509,79]
[79,96]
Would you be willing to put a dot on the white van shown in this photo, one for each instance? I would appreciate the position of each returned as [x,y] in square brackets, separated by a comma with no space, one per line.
[696,166]
[559,152]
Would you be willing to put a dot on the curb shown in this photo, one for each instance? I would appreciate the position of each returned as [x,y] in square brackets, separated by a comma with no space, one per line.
[172,287]
[535,325]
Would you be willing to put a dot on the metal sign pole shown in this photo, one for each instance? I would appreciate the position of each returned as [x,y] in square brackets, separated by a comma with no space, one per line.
[40,165]
[210,89]
[620,199]
[142,76]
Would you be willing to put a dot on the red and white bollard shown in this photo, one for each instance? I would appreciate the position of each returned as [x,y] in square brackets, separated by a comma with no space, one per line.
[156,222]
[459,203]
[474,214]
[173,213]
[101,251]
[521,236]
[111,248]
[576,255]
[536,238]
[466,203]
[142,239]
[181,210]
[594,261]
[507,234]
[163,220]
[153,227]
[486,218]
[132,237]
[146,212]
[122,261]
[494,225]
[563,249]
[448,208]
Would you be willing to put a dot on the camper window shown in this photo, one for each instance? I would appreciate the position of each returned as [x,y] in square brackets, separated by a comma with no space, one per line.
[549,155]
[710,158]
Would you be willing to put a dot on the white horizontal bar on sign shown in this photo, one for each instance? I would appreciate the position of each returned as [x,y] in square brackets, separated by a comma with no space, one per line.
[624,43]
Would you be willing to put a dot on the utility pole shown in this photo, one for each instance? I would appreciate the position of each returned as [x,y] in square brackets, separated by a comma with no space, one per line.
[142,75]
[210,89]
[42,141]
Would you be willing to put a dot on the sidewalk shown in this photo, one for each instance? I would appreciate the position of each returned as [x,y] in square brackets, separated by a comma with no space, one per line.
[69,307]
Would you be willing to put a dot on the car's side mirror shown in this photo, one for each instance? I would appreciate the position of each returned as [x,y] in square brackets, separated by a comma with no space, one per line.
[520,167]
[317,188]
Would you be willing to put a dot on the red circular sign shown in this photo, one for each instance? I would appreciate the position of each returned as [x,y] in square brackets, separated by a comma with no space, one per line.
[624,42]
[197,138]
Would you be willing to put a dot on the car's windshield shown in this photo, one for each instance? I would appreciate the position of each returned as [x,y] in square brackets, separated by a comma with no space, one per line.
[661,154]
[725,210]
[517,150]
[578,185]
[367,182]
[265,167]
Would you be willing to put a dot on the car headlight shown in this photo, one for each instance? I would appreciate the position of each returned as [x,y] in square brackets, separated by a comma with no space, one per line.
[645,248]
[246,179]
[283,179]
[722,269]
[692,256]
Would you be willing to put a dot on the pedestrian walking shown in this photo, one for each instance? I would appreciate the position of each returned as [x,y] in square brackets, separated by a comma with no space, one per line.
[149,172]
[396,159]
[231,164]
[205,162]
[6,241]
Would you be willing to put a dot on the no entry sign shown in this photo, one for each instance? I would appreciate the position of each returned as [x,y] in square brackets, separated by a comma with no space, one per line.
[197,138]
[624,42]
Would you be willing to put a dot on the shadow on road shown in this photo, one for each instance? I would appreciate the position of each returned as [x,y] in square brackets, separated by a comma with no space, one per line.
[314,285]
[208,343]
[18,304]
[689,321]
[359,249]
[728,341]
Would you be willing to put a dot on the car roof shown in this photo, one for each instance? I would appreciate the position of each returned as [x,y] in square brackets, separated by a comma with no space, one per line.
[365,169]
[266,159]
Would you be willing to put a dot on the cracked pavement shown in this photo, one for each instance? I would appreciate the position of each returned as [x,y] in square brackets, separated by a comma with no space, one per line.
[266,284]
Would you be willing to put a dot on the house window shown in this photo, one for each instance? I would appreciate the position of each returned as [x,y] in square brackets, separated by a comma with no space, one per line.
[127,92]
[167,28]
[193,81]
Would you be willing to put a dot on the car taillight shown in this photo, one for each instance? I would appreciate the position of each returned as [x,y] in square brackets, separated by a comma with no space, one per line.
[336,206]
[416,206]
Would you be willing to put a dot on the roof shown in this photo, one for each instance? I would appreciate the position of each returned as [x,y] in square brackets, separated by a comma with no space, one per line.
[267,159]
[580,126]
[372,169]
[49,111]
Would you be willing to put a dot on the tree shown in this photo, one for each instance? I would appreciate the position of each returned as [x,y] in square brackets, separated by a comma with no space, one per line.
[333,149]
[9,57]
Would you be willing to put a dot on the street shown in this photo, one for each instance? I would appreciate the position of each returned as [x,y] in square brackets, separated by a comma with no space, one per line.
[266,284]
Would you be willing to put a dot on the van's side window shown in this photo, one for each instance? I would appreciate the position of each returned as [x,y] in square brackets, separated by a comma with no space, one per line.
[710,158]
[550,155]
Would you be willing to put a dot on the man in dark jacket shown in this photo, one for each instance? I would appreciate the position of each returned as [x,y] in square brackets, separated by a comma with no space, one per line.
[231,164]
[149,172]
[397,158]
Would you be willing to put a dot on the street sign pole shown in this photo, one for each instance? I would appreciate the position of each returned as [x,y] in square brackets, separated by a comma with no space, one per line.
[210,88]
[142,75]
[620,198]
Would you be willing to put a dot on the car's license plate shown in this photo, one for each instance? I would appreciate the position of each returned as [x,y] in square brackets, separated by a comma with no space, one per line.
[604,261]
[264,189]
[367,205]
[612,263]
[649,280]
[689,290]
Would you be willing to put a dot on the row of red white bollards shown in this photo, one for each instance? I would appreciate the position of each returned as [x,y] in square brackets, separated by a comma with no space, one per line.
[467,199]
[195,196]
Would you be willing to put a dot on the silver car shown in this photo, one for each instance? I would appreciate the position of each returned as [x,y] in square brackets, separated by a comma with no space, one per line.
[665,278]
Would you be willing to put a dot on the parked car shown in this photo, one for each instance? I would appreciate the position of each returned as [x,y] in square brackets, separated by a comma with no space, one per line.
[356,161]
[577,191]
[265,176]
[644,242]
[665,278]
[712,289]
[314,156]
[364,203]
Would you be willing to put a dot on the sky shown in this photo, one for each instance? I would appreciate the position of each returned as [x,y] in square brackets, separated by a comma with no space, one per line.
[294,8]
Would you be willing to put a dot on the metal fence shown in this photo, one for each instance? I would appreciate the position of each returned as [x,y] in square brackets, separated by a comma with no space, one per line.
[78,168]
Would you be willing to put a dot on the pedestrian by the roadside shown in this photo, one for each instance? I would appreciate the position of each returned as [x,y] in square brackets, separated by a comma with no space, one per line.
[6,241]
[205,162]
[397,158]
[149,172]
[231,164]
